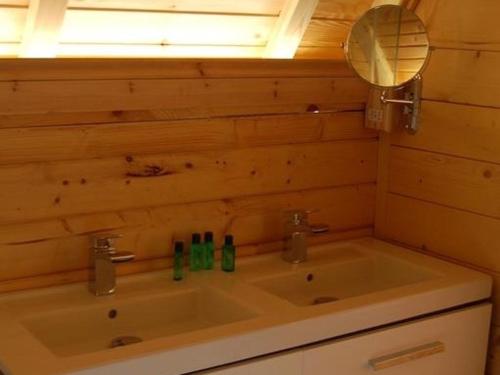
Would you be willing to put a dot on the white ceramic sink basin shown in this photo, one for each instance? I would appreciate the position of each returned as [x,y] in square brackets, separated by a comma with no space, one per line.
[212,318]
[82,330]
[353,277]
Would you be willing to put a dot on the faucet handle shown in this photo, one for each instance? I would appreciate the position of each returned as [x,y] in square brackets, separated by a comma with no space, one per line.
[319,228]
[104,241]
[297,216]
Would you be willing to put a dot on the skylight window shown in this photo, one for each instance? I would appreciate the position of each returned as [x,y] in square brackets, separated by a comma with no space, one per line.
[153,28]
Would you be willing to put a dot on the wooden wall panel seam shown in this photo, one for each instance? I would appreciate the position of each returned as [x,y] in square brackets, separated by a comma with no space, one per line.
[62,243]
[440,204]
[7,231]
[445,230]
[442,122]
[457,182]
[473,105]
[36,191]
[187,121]
[91,95]
[119,69]
[443,153]
[151,116]
[457,85]
[11,159]
[457,102]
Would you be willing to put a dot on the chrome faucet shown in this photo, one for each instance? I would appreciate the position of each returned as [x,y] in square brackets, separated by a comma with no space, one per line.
[297,229]
[104,255]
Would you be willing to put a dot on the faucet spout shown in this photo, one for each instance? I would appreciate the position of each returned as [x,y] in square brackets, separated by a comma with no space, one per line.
[104,255]
[297,229]
[122,257]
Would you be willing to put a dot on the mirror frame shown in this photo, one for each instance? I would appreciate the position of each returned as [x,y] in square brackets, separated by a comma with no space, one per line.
[405,83]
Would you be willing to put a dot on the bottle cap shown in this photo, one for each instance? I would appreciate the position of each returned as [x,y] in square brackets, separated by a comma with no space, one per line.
[228,240]
[196,238]
[179,246]
[209,237]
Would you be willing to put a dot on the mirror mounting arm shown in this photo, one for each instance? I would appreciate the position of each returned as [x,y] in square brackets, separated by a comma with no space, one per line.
[412,92]
[395,101]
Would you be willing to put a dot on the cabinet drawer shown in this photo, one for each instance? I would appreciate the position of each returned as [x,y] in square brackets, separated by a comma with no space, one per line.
[452,343]
[284,364]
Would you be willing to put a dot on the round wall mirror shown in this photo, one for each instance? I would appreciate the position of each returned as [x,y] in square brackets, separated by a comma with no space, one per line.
[388,46]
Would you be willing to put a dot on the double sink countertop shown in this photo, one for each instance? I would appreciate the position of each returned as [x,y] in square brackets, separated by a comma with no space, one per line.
[213,318]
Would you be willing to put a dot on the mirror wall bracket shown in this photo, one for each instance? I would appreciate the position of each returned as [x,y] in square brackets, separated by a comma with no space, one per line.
[388,47]
[411,102]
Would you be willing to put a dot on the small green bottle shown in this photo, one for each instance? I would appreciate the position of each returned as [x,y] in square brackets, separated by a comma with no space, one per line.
[196,253]
[178,260]
[208,243]
[228,254]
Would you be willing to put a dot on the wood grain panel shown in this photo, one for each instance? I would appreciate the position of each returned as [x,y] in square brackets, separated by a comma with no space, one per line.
[32,144]
[159,149]
[479,130]
[102,95]
[329,27]
[383,160]
[342,9]
[326,33]
[457,234]
[92,69]
[61,245]
[462,24]
[467,77]
[331,54]
[35,191]
[268,7]
[105,117]
[457,182]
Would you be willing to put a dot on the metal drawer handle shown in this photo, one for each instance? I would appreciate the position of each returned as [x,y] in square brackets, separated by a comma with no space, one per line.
[408,355]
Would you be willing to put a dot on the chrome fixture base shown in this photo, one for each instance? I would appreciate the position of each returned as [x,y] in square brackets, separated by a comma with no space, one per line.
[411,102]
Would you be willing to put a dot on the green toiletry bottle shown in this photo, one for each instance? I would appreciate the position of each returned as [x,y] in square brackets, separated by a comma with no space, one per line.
[208,242]
[228,254]
[178,260]
[196,253]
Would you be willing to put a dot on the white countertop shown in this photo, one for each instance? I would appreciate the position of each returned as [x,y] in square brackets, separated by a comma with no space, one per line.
[278,324]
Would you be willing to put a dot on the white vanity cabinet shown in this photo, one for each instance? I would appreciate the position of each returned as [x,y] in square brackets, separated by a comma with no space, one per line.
[451,343]
[283,364]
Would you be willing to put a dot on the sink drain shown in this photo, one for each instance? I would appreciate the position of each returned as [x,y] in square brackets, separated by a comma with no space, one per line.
[325,299]
[124,340]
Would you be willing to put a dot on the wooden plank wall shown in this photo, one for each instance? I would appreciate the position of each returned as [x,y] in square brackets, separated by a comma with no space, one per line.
[329,27]
[440,190]
[157,149]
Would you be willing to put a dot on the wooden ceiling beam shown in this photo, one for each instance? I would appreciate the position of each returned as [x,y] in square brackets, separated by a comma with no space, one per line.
[290,28]
[43,25]
[377,3]
[410,4]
